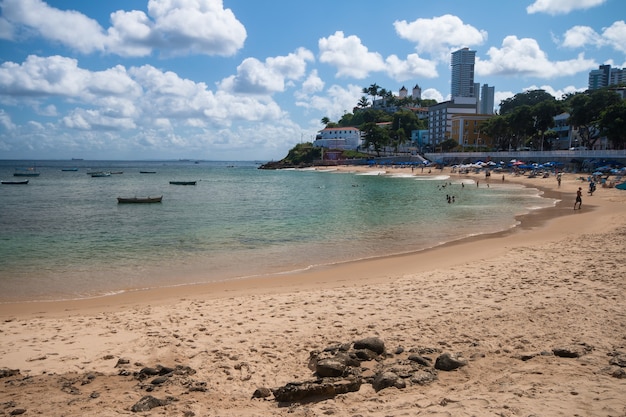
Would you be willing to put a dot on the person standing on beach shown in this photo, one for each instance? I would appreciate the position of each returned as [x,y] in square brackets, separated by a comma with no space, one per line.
[579,198]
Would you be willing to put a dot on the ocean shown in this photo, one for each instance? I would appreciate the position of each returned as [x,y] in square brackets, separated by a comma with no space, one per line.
[64,236]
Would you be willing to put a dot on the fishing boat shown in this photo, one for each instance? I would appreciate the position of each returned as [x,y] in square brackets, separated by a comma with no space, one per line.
[147,172]
[28,172]
[183,182]
[138,200]
[100,174]
[69,169]
[15,182]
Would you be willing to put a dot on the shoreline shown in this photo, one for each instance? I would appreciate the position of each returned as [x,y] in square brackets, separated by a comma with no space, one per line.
[504,302]
[293,279]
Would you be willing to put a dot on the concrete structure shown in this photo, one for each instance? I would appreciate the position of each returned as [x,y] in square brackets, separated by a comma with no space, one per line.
[462,81]
[605,76]
[466,130]
[487,98]
[344,138]
[440,117]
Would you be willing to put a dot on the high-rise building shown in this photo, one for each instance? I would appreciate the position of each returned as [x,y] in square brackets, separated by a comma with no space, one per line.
[462,82]
[487,97]
[605,76]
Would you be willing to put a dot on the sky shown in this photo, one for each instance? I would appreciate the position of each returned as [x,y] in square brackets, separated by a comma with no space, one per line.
[231,80]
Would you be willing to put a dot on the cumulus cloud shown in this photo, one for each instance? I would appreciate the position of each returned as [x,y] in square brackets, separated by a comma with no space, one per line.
[256,77]
[554,7]
[613,36]
[334,102]
[439,35]
[349,56]
[411,68]
[174,27]
[524,57]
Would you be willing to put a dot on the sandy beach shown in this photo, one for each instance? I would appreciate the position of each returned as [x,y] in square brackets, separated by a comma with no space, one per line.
[535,316]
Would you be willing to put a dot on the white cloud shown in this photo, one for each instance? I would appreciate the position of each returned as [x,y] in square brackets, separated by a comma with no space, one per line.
[313,83]
[524,57]
[613,36]
[440,35]
[432,94]
[554,7]
[5,121]
[256,77]
[413,67]
[174,27]
[349,56]
[335,101]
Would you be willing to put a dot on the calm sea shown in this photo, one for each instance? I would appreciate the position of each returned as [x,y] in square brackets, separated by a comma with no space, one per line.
[64,236]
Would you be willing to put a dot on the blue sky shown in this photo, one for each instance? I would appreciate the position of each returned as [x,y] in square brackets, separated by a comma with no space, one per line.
[249,79]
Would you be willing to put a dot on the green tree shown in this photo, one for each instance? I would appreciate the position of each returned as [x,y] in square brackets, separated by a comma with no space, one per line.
[527,98]
[372,90]
[586,112]
[363,103]
[325,121]
[613,124]
[498,128]
[375,137]
[522,124]
[543,116]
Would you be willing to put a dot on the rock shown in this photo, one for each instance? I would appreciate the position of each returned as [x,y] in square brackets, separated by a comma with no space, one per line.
[619,360]
[159,380]
[147,403]
[574,351]
[322,388]
[386,380]
[420,359]
[331,367]
[448,362]
[17,412]
[121,362]
[6,372]
[619,373]
[262,392]
[374,344]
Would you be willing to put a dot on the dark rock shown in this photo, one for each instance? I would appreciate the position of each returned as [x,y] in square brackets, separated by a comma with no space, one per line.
[331,367]
[6,372]
[121,362]
[420,359]
[619,360]
[149,371]
[365,354]
[574,351]
[262,393]
[374,344]
[17,412]
[159,380]
[387,379]
[448,362]
[147,403]
[322,388]
[619,373]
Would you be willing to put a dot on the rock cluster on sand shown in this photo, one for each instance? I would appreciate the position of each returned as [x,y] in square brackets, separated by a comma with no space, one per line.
[344,367]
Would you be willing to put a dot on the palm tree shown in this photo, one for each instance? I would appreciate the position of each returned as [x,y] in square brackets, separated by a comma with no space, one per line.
[325,120]
[372,90]
[363,103]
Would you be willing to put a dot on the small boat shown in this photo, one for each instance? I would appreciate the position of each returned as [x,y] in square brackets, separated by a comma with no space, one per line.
[138,200]
[117,172]
[69,169]
[183,182]
[147,172]
[15,182]
[100,174]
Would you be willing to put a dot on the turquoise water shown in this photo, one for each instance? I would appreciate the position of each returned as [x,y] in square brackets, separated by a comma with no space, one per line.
[64,236]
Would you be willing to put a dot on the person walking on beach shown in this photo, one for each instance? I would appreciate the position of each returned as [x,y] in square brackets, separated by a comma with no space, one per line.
[579,198]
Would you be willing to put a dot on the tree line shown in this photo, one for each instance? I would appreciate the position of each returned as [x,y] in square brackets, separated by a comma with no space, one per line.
[524,120]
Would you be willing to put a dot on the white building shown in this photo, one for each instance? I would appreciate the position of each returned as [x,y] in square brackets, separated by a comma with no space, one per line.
[345,138]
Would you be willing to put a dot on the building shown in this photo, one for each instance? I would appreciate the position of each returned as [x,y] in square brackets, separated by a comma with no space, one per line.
[440,117]
[462,81]
[605,76]
[466,130]
[344,138]
[487,97]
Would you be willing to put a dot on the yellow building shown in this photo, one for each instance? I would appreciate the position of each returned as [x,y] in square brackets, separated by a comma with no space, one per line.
[466,130]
